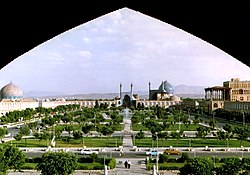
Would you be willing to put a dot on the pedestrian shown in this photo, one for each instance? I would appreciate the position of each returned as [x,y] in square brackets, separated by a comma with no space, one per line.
[126,164]
[129,164]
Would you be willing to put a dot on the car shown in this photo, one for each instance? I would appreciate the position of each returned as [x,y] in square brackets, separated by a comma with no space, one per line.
[152,152]
[172,151]
[88,152]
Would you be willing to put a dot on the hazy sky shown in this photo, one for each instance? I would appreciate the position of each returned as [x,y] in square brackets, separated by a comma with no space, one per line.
[123,46]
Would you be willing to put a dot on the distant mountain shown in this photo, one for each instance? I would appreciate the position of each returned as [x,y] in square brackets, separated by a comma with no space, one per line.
[180,90]
[93,96]
[35,94]
[184,89]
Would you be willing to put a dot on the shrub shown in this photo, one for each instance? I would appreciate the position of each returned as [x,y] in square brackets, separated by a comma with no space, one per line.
[82,167]
[85,160]
[172,160]
[112,163]
[98,167]
[37,159]
[94,158]
[163,158]
[184,157]
[28,166]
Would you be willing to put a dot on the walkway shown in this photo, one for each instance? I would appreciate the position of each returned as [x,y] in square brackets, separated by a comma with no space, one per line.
[127,138]
[136,168]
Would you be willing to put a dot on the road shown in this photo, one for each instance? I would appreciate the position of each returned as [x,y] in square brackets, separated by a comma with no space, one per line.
[141,152]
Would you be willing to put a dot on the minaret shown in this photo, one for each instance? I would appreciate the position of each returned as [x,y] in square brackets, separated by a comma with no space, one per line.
[131,89]
[149,90]
[120,91]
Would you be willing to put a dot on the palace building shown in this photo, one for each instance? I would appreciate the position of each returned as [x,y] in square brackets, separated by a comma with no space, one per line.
[233,95]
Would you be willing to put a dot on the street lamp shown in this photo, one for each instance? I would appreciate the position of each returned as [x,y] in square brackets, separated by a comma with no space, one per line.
[156,140]
[242,154]
[105,167]
[179,122]
[134,139]
[243,118]
[157,154]
[214,159]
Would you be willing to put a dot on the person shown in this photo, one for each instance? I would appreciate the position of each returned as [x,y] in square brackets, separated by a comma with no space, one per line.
[126,164]
[129,164]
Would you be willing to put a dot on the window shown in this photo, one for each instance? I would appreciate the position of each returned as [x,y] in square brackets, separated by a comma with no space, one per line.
[215,105]
[241,91]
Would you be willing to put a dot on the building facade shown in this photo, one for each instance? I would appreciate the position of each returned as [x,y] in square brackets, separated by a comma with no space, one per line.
[239,90]
[233,95]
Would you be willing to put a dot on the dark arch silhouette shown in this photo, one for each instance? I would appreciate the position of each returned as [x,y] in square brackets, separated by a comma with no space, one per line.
[127,101]
[225,24]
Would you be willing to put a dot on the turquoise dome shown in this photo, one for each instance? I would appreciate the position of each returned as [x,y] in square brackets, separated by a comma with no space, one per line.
[166,87]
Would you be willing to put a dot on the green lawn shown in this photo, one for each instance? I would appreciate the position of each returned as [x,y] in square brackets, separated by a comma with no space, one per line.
[148,142]
[173,165]
[139,127]
[173,127]
[78,127]
[89,142]
[190,127]
[80,166]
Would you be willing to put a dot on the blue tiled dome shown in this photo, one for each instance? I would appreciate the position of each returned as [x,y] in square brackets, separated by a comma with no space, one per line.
[166,87]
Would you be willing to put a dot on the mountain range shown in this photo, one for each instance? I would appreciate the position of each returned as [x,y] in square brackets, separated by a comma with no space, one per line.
[180,90]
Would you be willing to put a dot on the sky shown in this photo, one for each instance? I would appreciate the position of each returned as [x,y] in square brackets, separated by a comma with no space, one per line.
[123,46]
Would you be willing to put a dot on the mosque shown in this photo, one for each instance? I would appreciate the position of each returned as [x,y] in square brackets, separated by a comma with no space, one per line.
[11,98]
[163,96]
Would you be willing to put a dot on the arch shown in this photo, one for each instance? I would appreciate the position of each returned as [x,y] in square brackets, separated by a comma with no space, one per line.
[126,101]
[154,96]
[241,91]
[215,105]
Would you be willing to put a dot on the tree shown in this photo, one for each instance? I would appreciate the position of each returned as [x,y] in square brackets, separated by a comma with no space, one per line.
[163,158]
[57,163]
[184,157]
[242,133]
[176,135]
[197,166]
[97,104]
[107,131]
[202,131]
[3,132]
[231,166]
[140,135]
[25,131]
[77,134]
[229,132]
[87,128]
[212,123]
[221,135]
[11,158]
[3,165]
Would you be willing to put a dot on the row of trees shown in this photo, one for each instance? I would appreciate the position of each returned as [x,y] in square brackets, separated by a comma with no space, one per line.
[206,166]
[72,119]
